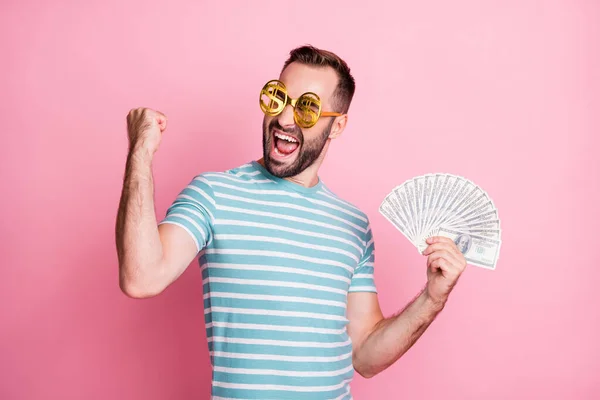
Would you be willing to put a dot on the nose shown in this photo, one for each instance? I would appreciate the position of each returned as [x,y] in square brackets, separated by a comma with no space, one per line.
[286,118]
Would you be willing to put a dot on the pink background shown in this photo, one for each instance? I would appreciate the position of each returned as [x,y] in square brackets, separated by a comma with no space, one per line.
[505,93]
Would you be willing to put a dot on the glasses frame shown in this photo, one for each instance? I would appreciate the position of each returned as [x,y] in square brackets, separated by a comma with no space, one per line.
[283,103]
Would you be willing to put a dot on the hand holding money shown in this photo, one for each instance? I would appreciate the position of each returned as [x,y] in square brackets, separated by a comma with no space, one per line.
[449,206]
[445,264]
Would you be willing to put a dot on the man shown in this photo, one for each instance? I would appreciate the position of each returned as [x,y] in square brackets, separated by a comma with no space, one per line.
[290,305]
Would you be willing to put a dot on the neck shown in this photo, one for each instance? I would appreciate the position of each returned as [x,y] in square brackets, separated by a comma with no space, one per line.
[307,178]
[310,176]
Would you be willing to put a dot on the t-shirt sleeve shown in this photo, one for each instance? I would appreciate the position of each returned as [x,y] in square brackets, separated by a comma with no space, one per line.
[194,211]
[363,279]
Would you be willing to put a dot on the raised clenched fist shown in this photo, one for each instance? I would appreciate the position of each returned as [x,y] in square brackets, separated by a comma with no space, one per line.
[145,128]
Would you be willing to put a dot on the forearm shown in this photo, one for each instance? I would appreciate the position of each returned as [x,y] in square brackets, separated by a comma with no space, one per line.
[139,247]
[394,336]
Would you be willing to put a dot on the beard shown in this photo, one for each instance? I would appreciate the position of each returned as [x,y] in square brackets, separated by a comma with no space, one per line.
[308,151]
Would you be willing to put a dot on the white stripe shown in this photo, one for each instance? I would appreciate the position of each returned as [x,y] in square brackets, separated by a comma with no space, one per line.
[196,204]
[226,398]
[304,374]
[266,297]
[279,328]
[193,210]
[198,247]
[291,194]
[234,222]
[241,173]
[346,393]
[276,357]
[345,211]
[269,268]
[289,218]
[368,264]
[233,178]
[282,343]
[293,207]
[244,166]
[362,288]
[286,241]
[329,194]
[262,282]
[362,276]
[200,191]
[261,386]
[257,191]
[191,221]
[292,256]
[274,313]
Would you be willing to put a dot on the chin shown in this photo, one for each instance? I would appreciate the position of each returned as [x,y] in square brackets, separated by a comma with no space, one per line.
[280,169]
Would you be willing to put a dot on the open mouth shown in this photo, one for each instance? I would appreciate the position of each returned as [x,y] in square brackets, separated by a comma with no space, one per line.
[284,145]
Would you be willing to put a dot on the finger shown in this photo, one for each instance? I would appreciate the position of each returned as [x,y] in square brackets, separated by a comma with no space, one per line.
[442,254]
[162,121]
[131,115]
[446,255]
[437,246]
[440,264]
[439,239]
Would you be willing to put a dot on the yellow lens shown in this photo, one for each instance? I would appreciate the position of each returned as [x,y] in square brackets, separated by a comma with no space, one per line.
[307,110]
[273,97]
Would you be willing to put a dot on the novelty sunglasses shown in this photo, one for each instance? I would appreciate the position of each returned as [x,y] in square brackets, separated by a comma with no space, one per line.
[307,108]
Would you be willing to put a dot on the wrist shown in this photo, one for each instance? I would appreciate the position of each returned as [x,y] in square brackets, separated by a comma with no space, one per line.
[139,152]
[432,303]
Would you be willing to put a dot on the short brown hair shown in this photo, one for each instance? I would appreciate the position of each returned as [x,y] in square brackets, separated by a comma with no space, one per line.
[310,55]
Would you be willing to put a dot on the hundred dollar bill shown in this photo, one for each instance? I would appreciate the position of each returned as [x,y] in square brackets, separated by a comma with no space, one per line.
[431,197]
[478,250]
[493,224]
[411,206]
[448,190]
[419,186]
[397,220]
[400,204]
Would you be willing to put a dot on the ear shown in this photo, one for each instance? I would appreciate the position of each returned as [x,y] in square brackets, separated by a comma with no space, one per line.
[338,126]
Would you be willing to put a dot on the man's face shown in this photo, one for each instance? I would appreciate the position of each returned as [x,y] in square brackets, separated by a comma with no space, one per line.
[288,149]
[463,242]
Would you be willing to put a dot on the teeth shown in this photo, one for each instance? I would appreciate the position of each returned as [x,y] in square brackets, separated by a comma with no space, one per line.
[285,137]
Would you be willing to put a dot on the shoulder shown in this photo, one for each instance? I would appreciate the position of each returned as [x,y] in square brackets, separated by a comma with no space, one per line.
[230,178]
[326,194]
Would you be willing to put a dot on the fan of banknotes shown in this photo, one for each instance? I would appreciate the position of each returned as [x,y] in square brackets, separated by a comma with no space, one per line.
[446,205]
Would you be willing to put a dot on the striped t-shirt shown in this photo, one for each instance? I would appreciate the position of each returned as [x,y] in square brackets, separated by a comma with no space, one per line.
[277,260]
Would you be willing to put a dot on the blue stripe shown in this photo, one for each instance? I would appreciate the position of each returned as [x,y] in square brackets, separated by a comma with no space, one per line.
[271,305]
[275,379]
[274,395]
[278,350]
[246,363]
[273,290]
[277,320]
[276,335]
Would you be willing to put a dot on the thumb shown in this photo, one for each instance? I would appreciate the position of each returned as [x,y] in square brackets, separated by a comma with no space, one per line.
[161,120]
